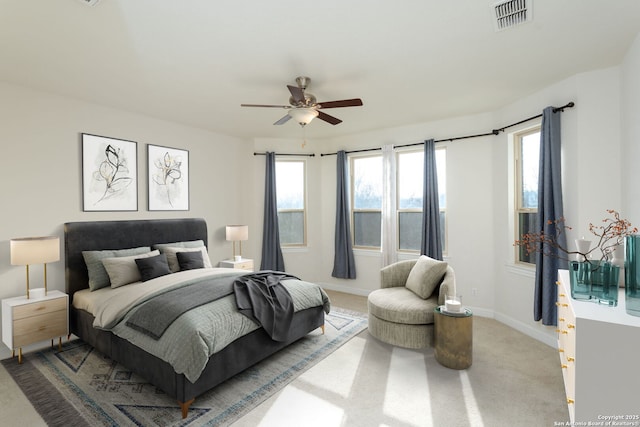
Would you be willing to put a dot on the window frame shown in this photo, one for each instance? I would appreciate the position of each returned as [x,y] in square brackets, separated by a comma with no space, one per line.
[518,208]
[352,208]
[303,161]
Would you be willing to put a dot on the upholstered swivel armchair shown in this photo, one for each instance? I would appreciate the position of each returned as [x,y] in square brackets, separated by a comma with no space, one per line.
[401,312]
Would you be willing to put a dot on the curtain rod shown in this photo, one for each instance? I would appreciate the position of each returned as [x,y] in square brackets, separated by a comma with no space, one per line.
[286,154]
[493,132]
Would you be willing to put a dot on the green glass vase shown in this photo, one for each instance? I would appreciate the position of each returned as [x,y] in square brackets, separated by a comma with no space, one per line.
[595,281]
[632,275]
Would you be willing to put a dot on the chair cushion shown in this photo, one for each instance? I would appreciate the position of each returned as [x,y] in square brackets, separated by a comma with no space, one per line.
[400,305]
[425,276]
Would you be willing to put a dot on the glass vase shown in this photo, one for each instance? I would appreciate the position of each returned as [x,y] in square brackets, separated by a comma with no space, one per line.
[632,275]
[595,281]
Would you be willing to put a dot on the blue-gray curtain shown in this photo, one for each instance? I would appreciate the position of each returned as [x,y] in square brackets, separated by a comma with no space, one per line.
[271,252]
[549,210]
[431,239]
[344,265]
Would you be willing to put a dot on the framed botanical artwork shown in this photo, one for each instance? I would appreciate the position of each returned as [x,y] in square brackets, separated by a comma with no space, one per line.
[109,174]
[168,170]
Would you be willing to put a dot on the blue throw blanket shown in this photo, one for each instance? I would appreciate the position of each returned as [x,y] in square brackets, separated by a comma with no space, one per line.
[262,298]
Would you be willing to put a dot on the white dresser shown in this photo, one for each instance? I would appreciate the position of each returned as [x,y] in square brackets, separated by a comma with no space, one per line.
[600,357]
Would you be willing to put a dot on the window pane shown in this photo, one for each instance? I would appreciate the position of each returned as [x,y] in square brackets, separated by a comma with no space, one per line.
[409,234]
[367,183]
[410,180]
[291,227]
[527,224]
[290,184]
[441,165]
[367,228]
[530,155]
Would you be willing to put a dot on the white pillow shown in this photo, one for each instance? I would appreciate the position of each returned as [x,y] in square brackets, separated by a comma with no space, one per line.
[124,270]
[172,258]
[425,276]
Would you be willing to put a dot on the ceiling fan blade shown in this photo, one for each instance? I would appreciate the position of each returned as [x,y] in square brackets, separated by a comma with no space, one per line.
[265,105]
[283,120]
[356,102]
[329,119]
[296,93]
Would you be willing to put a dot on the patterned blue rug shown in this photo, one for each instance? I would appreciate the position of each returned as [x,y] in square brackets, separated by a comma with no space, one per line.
[79,386]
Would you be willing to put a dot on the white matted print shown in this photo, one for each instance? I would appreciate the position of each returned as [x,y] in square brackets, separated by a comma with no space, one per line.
[109,174]
[168,178]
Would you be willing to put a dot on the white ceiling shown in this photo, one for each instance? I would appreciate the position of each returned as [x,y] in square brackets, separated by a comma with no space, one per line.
[411,61]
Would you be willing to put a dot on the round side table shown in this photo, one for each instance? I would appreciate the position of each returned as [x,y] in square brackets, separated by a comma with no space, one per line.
[453,338]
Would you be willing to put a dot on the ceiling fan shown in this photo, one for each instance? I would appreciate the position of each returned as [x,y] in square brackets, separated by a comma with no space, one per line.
[303,105]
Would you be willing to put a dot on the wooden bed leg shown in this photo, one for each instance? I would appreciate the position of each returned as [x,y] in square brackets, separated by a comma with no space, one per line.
[185,407]
[322,327]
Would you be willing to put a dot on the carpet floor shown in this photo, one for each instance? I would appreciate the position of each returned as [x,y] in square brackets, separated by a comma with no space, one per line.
[79,386]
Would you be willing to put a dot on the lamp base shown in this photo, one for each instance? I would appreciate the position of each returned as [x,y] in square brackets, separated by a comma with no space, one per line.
[37,293]
[237,258]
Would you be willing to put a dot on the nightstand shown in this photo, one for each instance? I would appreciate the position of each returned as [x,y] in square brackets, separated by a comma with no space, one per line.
[243,264]
[27,321]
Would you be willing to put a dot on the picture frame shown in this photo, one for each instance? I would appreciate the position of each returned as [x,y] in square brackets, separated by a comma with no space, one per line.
[168,178]
[109,174]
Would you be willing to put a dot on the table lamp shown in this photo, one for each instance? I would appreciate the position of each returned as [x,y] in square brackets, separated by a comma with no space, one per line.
[35,250]
[237,233]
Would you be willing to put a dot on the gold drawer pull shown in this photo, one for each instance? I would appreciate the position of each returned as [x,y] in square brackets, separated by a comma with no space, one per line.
[564,305]
[561,350]
[558,330]
[563,366]
[570,359]
[564,332]
[570,401]
[558,282]
[562,295]
[571,326]
[562,319]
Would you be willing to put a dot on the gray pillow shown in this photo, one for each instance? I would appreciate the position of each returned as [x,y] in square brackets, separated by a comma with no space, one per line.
[152,267]
[425,276]
[174,265]
[98,277]
[190,260]
[187,244]
[124,270]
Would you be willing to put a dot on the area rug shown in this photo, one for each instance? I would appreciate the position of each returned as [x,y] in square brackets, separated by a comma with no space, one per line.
[79,386]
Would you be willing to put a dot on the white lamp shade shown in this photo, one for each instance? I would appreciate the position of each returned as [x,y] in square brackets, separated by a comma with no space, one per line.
[35,250]
[303,115]
[237,232]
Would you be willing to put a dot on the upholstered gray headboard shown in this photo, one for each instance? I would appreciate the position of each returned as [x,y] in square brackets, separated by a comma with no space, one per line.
[97,235]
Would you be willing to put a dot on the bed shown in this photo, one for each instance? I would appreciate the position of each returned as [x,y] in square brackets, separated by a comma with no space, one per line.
[235,357]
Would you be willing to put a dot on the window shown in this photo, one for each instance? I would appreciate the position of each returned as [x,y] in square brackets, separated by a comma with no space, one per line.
[410,181]
[291,200]
[527,155]
[366,201]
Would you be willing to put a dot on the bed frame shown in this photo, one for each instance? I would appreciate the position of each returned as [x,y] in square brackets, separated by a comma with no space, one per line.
[235,358]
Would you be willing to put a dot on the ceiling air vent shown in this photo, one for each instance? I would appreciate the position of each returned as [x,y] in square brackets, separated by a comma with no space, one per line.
[89,2]
[510,13]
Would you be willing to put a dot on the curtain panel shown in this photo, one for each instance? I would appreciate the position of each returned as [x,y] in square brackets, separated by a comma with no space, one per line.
[431,245]
[549,210]
[344,264]
[271,252]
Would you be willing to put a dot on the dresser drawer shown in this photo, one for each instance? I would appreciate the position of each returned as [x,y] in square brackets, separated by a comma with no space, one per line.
[38,328]
[38,308]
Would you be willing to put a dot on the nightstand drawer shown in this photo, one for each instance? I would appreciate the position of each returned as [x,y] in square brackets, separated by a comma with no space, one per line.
[38,308]
[244,265]
[38,328]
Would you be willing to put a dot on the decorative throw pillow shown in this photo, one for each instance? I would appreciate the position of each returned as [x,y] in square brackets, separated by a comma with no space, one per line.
[152,267]
[190,260]
[185,244]
[425,276]
[98,277]
[124,270]
[174,265]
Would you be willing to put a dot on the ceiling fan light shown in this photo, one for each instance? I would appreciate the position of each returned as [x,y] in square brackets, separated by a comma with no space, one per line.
[303,115]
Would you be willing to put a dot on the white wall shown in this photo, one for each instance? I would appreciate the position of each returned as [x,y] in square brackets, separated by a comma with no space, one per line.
[41,175]
[630,165]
